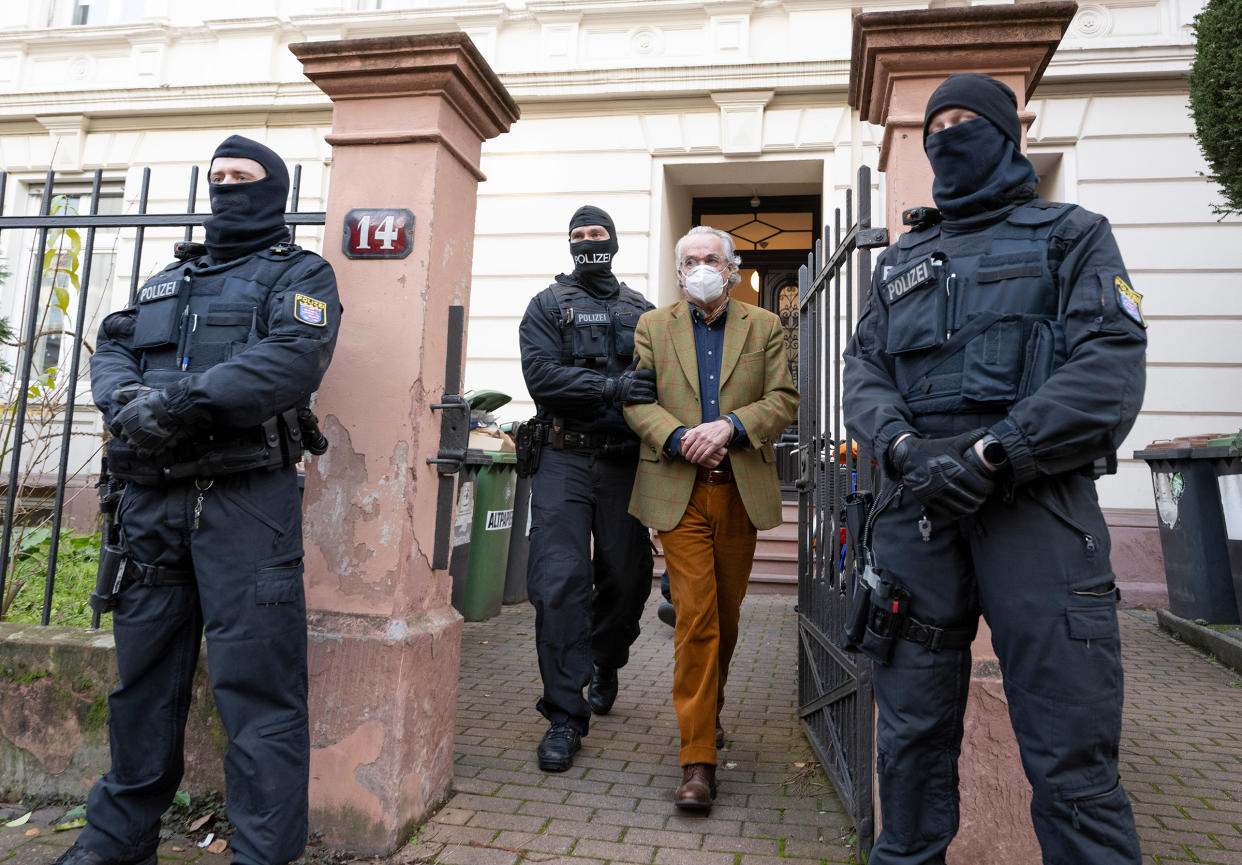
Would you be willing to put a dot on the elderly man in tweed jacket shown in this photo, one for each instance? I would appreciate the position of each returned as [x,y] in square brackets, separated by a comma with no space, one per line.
[707,475]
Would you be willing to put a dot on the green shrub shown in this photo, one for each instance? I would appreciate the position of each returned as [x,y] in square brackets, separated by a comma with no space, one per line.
[1216,96]
[77,563]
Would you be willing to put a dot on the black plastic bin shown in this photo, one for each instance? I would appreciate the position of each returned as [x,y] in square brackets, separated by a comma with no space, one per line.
[1226,462]
[519,545]
[1192,532]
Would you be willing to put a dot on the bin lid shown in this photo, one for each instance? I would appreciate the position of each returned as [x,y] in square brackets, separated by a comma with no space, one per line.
[477,457]
[502,457]
[1214,452]
[1174,448]
[1164,452]
[1233,442]
[487,400]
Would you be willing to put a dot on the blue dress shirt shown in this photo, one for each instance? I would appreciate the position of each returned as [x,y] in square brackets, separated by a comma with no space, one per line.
[708,348]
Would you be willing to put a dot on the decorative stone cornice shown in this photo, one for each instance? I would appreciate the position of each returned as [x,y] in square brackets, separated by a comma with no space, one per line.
[444,64]
[810,75]
[888,45]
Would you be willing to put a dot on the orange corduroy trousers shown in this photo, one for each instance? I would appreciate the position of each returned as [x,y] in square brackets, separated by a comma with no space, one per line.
[709,556]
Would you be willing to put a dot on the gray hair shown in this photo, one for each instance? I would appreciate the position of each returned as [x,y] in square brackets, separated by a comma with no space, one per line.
[726,241]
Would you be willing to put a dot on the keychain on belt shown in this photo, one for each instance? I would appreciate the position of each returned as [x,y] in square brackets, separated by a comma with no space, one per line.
[198,504]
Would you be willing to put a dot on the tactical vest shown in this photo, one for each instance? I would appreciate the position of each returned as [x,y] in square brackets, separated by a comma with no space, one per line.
[596,333]
[975,319]
[188,319]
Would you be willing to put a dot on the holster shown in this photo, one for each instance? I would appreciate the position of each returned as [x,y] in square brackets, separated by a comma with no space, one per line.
[313,438]
[109,578]
[878,612]
[528,438]
[112,556]
[857,506]
[886,618]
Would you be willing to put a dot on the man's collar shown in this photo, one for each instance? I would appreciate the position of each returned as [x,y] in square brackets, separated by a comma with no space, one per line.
[716,317]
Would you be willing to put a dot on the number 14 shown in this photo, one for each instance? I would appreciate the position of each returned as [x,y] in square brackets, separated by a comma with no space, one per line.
[385,232]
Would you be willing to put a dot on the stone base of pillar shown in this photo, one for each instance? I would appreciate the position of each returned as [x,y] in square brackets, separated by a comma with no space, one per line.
[383,698]
[995,795]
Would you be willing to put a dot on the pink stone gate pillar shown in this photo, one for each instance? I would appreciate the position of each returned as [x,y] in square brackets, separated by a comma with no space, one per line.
[410,115]
[898,59]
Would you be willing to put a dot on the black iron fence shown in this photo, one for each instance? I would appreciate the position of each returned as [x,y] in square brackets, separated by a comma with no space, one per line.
[66,264]
[834,686]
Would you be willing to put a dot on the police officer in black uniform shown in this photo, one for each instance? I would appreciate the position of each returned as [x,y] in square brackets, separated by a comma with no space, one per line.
[997,366]
[577,340]
[201,383]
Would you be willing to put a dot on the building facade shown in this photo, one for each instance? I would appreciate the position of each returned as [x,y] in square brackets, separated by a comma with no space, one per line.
[663,112]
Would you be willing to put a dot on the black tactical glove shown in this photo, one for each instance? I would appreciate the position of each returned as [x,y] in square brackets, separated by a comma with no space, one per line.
[145,424]
[122,395]
[944,473]
[634,386]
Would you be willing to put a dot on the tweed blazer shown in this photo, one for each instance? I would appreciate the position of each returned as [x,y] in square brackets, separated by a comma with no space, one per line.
[755,385]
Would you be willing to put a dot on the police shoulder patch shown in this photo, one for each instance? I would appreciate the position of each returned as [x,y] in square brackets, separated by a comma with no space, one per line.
[310,311]
[1129,300]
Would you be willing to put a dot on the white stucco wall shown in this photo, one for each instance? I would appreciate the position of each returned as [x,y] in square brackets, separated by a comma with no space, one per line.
[636,106]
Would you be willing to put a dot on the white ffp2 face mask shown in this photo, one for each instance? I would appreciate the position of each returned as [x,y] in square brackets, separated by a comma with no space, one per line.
[704,283]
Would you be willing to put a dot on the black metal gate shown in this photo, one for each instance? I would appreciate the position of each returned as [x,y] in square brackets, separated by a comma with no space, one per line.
[834,686]
[45,258]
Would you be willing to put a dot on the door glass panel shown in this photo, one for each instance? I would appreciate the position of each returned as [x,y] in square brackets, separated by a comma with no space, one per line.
[765,231]
[787,309]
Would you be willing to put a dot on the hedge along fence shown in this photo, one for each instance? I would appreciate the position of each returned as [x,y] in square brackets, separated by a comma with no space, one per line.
[1216,96]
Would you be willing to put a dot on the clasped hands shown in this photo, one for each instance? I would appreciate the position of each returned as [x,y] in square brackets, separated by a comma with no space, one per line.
[708,443]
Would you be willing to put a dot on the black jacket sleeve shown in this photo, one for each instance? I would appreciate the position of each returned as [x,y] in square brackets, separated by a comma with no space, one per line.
[875,412]
[1089,404]
[278,372]
[566,391]
[114,363]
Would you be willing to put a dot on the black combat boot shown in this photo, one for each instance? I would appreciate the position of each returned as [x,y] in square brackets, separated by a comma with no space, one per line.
[79,855]
[603,691]
[556,751]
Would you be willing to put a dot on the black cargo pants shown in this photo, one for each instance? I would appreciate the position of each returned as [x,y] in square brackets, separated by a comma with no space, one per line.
[1038,569]
[247,596]
[587,605]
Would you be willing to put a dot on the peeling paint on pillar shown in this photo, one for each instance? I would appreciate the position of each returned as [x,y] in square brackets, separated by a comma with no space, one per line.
[384,647]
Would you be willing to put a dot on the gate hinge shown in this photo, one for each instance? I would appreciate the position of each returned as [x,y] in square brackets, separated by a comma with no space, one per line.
[869,238]
[454,433]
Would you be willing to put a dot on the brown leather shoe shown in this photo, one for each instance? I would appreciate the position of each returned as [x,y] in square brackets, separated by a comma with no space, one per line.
[720,737]
[698,787]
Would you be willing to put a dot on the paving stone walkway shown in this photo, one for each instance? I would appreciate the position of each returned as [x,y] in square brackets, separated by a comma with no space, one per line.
[1181,762]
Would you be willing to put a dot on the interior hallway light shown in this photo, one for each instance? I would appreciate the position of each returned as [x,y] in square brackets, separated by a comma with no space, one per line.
[754,281]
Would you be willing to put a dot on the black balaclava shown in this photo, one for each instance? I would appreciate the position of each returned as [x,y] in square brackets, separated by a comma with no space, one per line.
[593,258]
[978,164]
[247,217]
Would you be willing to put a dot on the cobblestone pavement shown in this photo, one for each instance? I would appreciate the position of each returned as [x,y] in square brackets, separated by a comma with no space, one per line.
[1181,762]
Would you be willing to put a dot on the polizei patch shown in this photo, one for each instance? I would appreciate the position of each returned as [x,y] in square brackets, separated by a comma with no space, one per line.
[921,273]
[310,311]
[592,318]
[158,291]
[593,258]
[1131,301]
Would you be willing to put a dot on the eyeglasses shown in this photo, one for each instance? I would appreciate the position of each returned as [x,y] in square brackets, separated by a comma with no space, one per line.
[690,262]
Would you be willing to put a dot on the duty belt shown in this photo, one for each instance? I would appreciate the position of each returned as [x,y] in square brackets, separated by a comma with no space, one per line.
[581,440]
